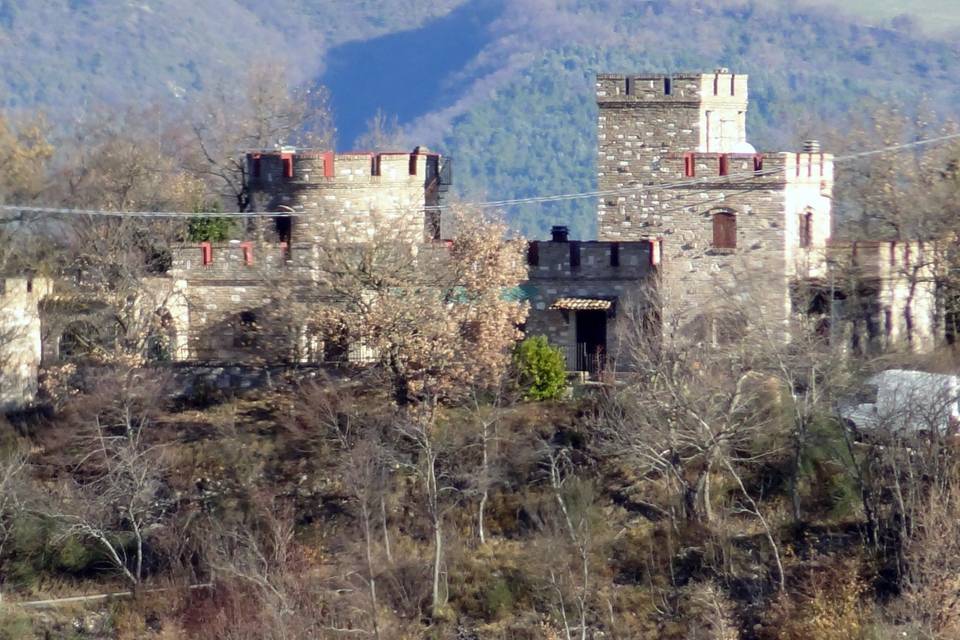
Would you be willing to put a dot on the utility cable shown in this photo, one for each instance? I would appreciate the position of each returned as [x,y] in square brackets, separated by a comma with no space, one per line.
[492,204]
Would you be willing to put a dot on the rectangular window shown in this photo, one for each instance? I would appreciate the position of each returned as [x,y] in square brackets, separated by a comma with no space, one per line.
[689,165]
[667,86]
[806,229]
[758,162]
[255,165]
[574,255]
[724,164]
[287,160]
[533,253]
[29,285]
[628,87]
[614,254]
[716,84]
[206,253]
[413,164]
[733,84]
[724,230]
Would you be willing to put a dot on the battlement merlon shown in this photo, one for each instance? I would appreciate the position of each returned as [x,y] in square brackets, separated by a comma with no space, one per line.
[308,166]
[777,168]
[720,89]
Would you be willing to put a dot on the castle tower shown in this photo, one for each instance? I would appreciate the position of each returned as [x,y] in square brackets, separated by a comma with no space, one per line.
[738,227]
[347,197]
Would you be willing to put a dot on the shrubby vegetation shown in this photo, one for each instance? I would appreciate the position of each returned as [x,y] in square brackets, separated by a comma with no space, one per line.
[541,369]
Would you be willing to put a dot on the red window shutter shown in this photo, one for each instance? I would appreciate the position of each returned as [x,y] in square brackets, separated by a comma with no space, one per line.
[287,159]
[206,253]
[724,164]
[724,230]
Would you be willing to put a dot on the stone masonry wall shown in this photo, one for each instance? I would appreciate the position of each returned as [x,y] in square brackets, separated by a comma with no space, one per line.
[347,197]
[553,277]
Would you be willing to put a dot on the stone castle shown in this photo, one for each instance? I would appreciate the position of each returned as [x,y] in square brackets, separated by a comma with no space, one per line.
[698,233]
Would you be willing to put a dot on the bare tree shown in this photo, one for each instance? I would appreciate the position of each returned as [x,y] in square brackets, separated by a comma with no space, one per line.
[117,496]
[13,467]
[383,133]
[263,113]
[691,415]
[573,505]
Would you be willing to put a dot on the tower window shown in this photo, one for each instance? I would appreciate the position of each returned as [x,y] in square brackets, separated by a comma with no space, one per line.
[806,229]
[574,255]
[628,87]
[614,254]
[758,162]
[667,86]
[724,230]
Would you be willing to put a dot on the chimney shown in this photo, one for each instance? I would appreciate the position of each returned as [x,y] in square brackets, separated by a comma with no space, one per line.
[811,146]
[559,233]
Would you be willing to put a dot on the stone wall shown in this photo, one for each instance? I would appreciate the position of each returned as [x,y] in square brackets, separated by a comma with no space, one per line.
[20,339]
[663,130]
[627,284]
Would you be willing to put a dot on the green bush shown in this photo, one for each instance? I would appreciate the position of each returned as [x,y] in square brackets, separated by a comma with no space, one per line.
[209,229]
[542,369]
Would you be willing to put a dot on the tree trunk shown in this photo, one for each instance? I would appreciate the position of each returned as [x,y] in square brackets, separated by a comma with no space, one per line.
[371,582]
[386,532]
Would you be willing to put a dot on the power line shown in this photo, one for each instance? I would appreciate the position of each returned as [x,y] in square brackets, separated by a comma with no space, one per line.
[493,204]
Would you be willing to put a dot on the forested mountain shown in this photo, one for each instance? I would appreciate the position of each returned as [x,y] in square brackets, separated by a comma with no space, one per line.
[503,86]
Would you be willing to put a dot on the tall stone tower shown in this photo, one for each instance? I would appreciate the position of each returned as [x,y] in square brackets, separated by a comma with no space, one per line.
[738,227]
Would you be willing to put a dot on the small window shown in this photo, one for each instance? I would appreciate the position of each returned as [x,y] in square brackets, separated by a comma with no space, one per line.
[247,331]
[574,255]
[614,254]
[724,230]
[287,166]
[806,229]
[758,162]
[733,84]
[29,285]
[716,84]
[667,86]
[533,254]
[255,165]
[724,164]
[628,86]
[689,165]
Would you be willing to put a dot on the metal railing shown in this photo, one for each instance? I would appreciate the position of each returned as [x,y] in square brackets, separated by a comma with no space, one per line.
[581,358]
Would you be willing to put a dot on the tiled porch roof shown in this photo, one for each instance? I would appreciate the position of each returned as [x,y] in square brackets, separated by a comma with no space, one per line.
[582,304]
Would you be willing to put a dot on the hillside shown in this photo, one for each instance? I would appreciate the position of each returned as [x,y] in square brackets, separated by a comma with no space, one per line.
[64,54]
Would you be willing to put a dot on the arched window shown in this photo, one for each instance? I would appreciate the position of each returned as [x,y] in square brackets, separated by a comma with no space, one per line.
[725,230]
